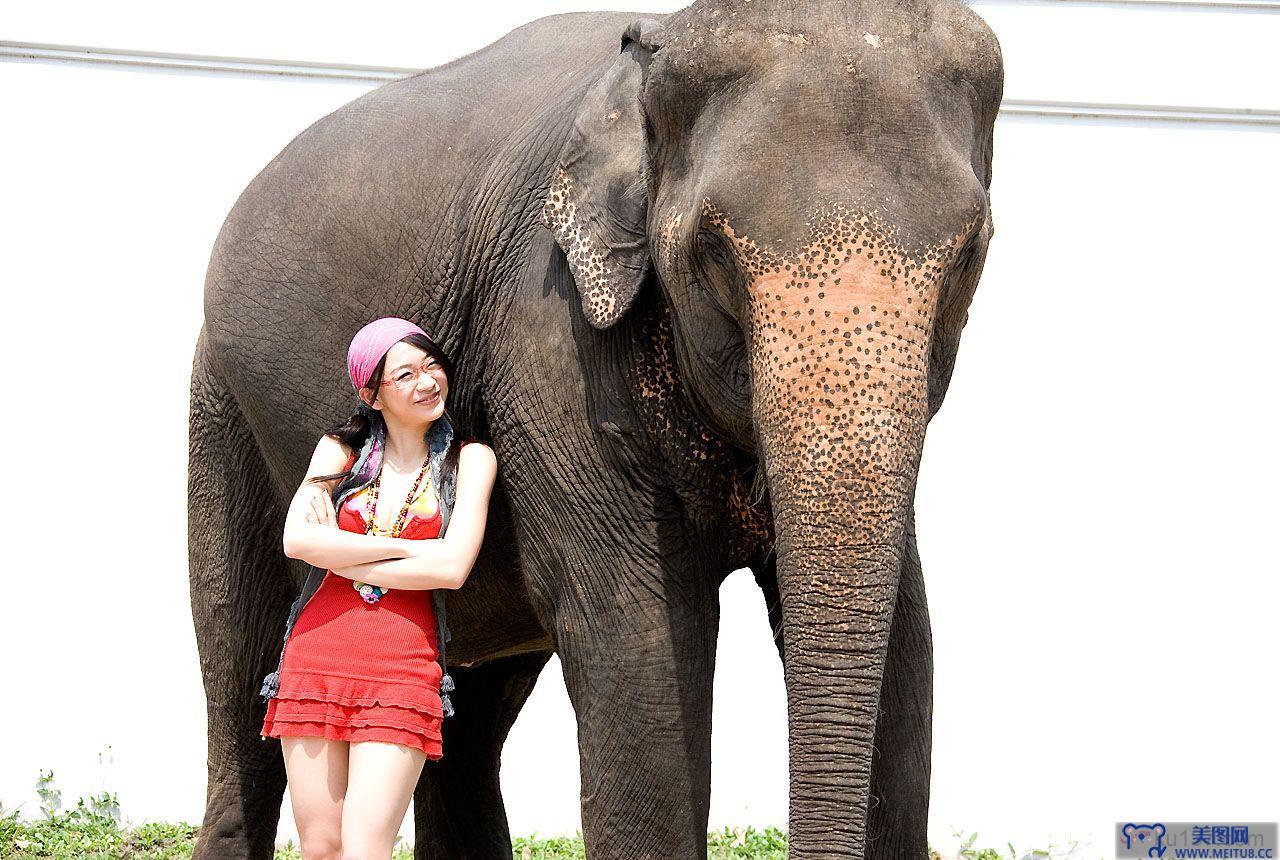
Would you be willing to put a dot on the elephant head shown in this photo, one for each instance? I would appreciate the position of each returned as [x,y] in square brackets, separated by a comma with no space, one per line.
[808,185]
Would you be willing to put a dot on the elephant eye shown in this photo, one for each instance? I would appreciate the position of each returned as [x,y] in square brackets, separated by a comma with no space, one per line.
[712,244]
[716,269]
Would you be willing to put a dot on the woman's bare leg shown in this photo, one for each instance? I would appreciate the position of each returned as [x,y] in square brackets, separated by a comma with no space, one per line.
[380,784]
[317,771]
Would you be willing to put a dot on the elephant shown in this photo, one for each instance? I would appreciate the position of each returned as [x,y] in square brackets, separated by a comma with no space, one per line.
[703,275]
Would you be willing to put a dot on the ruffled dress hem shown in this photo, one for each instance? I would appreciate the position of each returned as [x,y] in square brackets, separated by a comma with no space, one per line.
[353,708]
[433,748]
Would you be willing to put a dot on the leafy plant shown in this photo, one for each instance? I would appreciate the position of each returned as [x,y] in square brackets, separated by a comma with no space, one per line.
[50,794]
[966,851]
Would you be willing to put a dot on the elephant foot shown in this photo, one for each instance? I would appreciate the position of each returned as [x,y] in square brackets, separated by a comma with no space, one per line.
[241,818]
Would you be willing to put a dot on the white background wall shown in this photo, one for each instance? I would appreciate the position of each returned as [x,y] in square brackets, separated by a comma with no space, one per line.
[1095,503]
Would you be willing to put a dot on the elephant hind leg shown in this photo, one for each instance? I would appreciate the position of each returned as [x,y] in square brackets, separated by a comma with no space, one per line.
[458,808]
[240,596]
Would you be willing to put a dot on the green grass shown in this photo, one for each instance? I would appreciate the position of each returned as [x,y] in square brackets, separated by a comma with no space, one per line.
[727,844]
[85,837]
[82,834]
[92,831]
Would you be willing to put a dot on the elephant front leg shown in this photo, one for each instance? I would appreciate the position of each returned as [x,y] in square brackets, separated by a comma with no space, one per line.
[898,809]
[637,642]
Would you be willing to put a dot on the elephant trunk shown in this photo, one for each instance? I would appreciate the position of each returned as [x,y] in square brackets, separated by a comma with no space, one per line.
[840,527]
[839,350]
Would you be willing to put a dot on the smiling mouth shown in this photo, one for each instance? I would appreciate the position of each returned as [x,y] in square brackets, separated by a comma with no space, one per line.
[428,399]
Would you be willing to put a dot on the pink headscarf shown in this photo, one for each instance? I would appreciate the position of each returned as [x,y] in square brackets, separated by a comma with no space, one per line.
[371,343]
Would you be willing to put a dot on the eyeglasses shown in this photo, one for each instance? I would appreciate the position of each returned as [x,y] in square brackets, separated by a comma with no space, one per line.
[406,378]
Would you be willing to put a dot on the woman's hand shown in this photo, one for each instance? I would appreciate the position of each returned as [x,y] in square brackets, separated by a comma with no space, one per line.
[310,525]
[319,505]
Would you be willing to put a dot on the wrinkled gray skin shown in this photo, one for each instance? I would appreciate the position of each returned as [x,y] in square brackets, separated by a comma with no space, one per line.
[704,277]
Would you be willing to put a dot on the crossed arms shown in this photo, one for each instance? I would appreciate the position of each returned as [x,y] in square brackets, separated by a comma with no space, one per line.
[311,530]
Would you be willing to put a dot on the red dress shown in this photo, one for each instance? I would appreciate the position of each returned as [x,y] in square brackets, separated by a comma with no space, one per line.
[358,671]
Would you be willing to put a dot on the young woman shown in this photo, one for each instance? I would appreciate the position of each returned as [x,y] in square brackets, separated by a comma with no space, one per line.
[358,700]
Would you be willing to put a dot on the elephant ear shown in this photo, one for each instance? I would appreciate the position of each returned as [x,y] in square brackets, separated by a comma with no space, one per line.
[598,202]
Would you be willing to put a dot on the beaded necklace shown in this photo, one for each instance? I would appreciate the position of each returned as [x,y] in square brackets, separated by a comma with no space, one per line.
[371,593]
[398,525]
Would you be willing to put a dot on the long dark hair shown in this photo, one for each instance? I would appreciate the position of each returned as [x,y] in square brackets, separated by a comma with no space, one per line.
[354,431]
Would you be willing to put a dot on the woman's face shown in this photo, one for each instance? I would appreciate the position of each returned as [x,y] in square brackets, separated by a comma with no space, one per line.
[414,387]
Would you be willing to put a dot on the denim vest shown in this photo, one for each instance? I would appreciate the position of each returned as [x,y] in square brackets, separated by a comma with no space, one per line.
[363,470]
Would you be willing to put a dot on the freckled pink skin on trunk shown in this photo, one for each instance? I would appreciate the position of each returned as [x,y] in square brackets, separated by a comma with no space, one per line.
[839,335]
